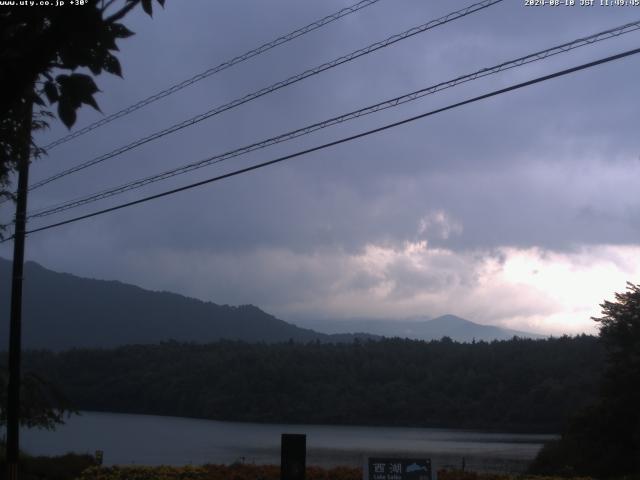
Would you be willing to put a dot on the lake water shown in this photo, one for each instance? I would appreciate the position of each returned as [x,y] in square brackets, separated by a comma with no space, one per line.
[152,440]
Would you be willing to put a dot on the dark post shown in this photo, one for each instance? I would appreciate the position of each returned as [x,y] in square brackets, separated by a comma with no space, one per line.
[293,456]
[13,400]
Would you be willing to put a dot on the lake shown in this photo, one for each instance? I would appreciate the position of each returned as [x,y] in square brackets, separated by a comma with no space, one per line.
[153,440]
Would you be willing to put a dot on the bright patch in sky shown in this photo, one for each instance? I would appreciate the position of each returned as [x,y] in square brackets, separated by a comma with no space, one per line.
[524,289]
[529,289]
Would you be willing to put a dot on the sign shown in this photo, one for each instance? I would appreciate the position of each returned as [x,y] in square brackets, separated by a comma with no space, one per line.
[399,469]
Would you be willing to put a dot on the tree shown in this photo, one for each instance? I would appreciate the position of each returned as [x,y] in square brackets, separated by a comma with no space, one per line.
[43,405]
[35,42]
[604,440]
[620,333]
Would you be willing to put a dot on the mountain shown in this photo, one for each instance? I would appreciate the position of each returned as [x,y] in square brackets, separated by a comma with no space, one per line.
[456,328]
[63,311]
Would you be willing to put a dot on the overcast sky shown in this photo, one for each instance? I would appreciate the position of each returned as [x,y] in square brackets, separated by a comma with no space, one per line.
[520,211]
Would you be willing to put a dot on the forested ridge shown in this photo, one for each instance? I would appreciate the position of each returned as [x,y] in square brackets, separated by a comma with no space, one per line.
[109,314]
[520,384]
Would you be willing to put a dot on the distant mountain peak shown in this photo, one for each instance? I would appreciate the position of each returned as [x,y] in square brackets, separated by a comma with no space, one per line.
[450,319]
[420,328]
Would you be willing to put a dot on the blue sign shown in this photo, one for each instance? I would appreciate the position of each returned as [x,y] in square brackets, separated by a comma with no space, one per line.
[399,469]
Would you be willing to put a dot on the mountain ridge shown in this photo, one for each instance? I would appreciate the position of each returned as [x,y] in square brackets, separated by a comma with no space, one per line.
[425,328]
[62,311]
[76,312]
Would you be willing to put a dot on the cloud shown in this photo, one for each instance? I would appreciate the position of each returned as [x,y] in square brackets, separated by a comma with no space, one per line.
[445,215]
[438,224]
[528,289]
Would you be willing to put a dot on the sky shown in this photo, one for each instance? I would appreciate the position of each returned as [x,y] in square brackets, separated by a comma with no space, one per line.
[520,210]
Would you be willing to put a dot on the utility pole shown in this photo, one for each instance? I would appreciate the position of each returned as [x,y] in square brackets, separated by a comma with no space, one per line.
[15,334]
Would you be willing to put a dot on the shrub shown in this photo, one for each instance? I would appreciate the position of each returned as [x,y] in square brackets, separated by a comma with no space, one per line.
[64,467]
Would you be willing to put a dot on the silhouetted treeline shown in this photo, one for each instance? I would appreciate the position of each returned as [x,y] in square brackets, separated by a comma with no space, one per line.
[531,385]
[603,440]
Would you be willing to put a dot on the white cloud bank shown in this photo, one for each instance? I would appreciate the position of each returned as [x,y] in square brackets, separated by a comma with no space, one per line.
[529,289]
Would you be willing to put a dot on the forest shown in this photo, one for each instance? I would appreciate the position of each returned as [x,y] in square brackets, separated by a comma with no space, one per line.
[517,385]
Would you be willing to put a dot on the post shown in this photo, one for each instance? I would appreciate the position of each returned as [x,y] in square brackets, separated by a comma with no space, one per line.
[293,456]
[13,400]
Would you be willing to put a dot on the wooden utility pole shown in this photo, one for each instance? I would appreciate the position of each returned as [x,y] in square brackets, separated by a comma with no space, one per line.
[15,326]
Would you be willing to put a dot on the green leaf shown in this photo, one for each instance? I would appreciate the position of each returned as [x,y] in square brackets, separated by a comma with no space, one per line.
[94,64]
[62,81]
[71,58]
[120,31]
[75,90]
[108,39]
[51,91]
[67,113]
[92,101]
[83,89]
[112,65]
[37,99]
[147,7]
[83,84]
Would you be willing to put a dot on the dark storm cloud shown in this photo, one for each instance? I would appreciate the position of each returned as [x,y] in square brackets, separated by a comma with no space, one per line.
[551,166]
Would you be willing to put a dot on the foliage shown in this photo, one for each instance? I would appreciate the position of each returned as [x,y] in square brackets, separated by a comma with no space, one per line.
[34,43]
[267,472]
[64,467]
[465,475]
[41,49]
[144,473]
[604,439]
[529,385]
[620,333]
[215,472]
[42,405]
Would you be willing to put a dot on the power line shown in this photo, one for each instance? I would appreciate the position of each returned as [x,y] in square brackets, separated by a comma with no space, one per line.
[276,86]
[212,71]
[540,55]
[343,140]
